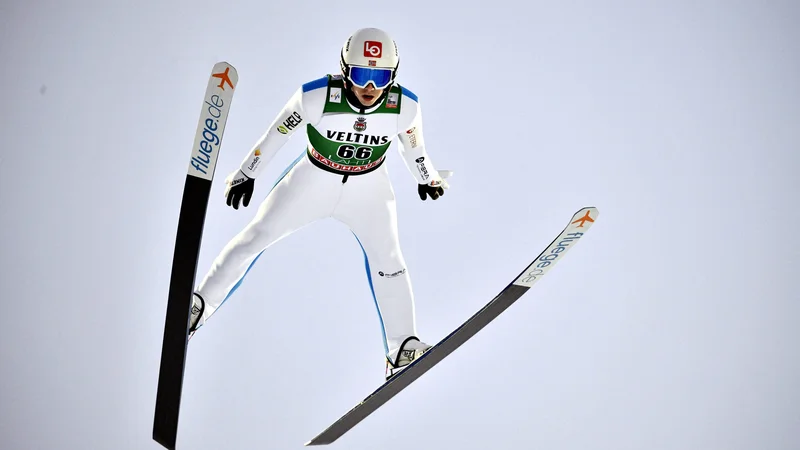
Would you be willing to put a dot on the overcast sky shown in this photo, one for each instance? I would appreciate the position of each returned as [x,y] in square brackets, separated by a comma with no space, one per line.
[672,325]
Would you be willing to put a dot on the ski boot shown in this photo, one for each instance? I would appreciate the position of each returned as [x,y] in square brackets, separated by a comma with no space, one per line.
[198,306]
[411,349]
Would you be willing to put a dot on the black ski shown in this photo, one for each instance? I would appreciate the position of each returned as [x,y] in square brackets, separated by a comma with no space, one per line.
[196,191]
[576,228]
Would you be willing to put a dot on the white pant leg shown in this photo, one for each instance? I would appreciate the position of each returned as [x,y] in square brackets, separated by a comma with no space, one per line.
[368,208]
[304,195]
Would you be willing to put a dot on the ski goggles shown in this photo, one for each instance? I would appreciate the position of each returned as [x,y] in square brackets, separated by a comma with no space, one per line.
[362,76]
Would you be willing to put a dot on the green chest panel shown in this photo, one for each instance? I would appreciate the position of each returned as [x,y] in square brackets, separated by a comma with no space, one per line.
[346,142]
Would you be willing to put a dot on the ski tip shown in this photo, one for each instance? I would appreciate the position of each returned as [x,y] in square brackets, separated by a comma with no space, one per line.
[224,77]
[584,218]
[224,64]
[589,211]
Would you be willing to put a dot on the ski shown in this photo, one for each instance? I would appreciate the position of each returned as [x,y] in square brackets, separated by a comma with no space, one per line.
[575,229]
[196,191]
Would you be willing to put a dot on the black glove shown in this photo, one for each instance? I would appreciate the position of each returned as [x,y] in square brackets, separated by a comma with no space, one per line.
[426,189]
[240,187]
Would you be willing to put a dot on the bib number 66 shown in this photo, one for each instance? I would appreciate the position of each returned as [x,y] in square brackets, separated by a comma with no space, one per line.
[349,151]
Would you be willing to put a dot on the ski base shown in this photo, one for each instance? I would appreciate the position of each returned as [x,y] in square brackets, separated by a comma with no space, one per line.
[577,227]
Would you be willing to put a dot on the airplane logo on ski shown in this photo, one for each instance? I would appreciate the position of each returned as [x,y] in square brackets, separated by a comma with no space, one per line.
[223,78]
[583,220]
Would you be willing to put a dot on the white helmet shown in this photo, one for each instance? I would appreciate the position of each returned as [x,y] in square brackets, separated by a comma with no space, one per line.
[371,49]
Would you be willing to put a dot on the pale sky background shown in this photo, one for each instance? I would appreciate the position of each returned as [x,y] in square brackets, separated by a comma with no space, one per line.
[672,325]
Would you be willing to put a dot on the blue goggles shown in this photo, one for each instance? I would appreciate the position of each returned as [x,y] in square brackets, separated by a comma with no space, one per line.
[362,76]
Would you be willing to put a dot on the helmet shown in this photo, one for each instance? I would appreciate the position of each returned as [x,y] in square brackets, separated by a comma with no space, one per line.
[370,56]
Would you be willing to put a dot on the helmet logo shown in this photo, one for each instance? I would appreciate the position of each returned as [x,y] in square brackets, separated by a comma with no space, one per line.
[361,124]
[373,49]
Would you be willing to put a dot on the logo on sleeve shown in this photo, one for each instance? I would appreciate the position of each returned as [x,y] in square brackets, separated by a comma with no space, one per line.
[412,137]
[256,161]
[423,171]
[290,123]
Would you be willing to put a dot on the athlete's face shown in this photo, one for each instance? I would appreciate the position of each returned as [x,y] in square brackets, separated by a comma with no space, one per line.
[368,95]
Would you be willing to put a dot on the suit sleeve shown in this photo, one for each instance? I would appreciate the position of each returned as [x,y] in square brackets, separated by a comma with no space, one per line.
[412,142]
[302,108]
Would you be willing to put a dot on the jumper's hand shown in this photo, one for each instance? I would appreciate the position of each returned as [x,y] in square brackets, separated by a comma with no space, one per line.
[239,187]
[435,188]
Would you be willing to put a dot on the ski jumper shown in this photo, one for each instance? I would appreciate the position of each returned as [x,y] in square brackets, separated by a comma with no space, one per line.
[340,175]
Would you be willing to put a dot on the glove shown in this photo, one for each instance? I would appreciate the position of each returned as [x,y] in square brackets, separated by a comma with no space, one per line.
[435,188]
[240,187]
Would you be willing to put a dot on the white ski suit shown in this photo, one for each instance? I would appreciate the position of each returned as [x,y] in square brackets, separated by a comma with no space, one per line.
[340,175]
